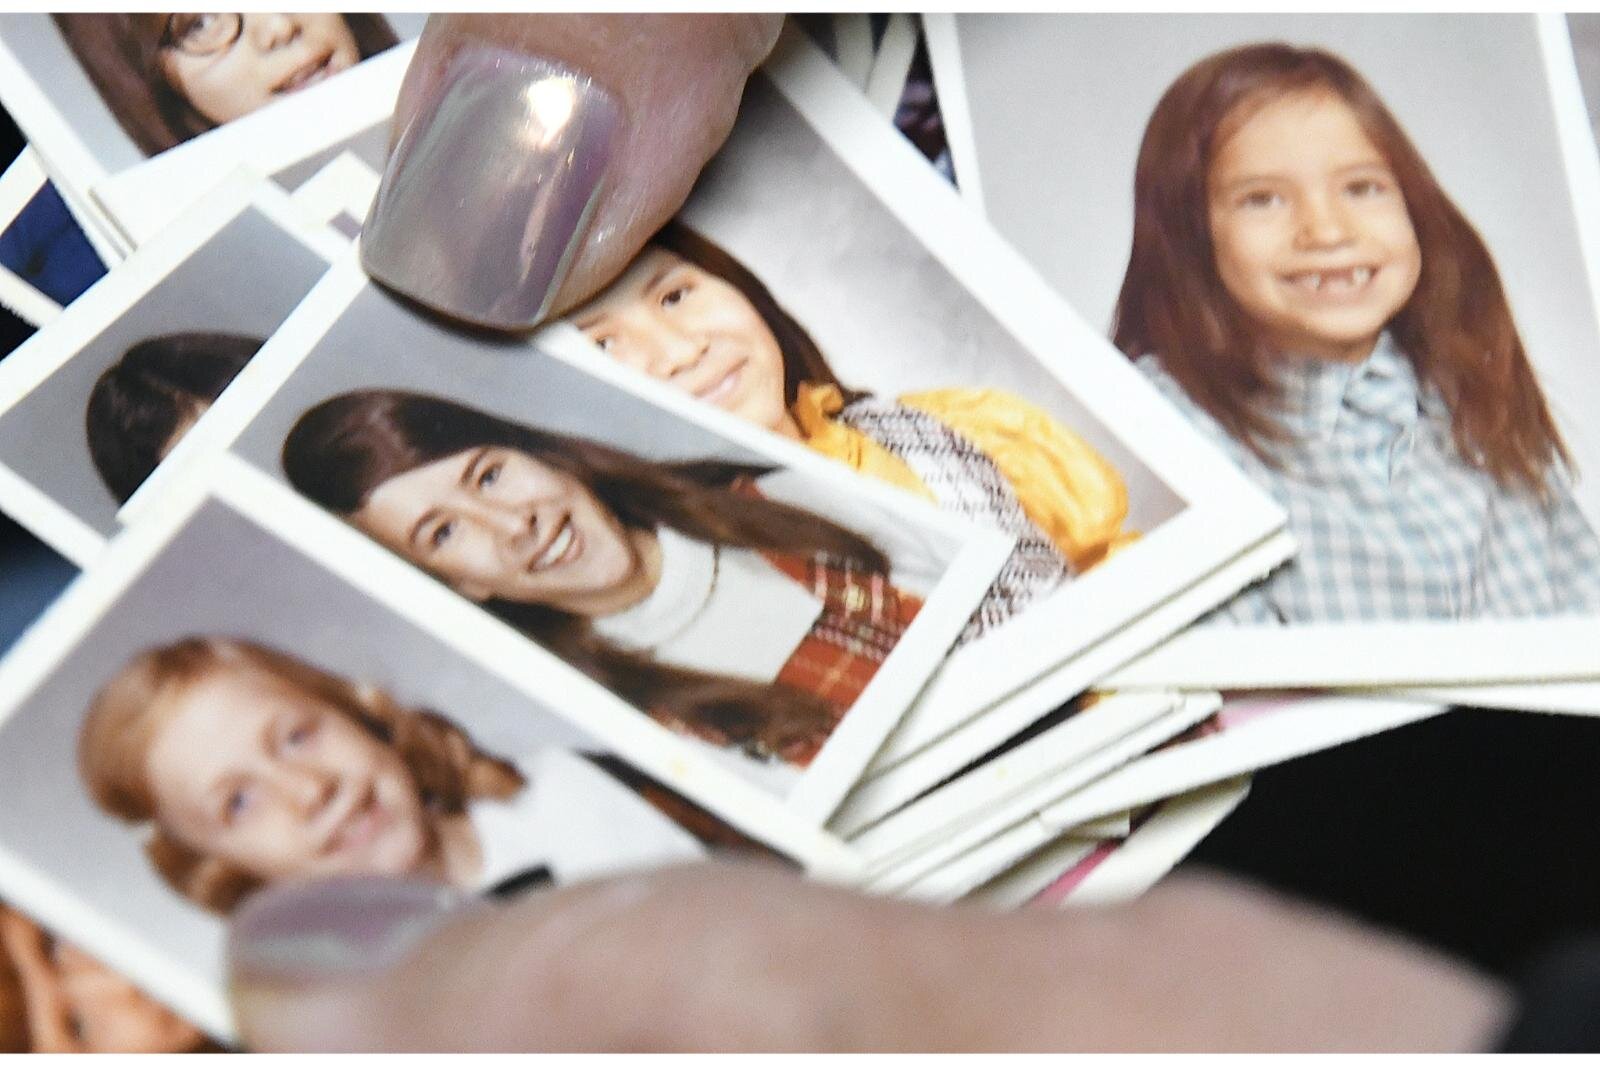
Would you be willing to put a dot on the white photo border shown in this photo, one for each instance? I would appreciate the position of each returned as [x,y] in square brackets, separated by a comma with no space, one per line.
[1225,514]
[1087,733]
[1436,656]
[67,159]
[964,711]
[394,585]
[893,870]
[41,355]
[144,199]
[1161,843]
[885,789]
[1305,725]
[853,743]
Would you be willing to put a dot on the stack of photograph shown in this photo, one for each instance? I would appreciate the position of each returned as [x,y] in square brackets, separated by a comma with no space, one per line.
[956,541]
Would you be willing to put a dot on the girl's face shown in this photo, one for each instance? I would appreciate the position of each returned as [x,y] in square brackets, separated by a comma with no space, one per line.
[691,329]
[249,769]
[227,66]
[1309,229]
[496,523]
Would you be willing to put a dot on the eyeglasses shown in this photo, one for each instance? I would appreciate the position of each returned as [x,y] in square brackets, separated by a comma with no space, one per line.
[202,35]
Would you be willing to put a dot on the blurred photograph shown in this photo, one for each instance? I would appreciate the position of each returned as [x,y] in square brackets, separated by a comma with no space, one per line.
[172,745]
[143,404]
[167,78]
[100,399]
[140,114]
[245,766]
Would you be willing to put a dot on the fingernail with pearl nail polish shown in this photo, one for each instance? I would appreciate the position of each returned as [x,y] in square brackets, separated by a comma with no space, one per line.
[334,929]
[488,191]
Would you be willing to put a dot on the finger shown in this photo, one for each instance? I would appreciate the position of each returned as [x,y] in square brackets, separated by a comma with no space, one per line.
[743,958]
[679,959]
[534,154]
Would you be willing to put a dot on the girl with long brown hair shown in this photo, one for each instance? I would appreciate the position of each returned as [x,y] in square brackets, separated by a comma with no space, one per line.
[250,766]
[689,314]
[169,77]
[1304,289]
[645,575]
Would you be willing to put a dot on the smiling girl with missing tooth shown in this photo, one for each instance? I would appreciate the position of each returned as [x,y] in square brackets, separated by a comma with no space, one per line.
[1302,287]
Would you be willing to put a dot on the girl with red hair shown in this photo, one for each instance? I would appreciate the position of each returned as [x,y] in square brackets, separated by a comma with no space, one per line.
[250,766]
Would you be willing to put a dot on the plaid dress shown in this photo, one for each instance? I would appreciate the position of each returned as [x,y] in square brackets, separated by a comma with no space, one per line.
[863,617]
[1393,524]
[851,621]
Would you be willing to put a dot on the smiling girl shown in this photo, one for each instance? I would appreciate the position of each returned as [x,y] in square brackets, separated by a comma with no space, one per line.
[730,616]
[251,767]
[1302,287]
[170,77]
[689,314]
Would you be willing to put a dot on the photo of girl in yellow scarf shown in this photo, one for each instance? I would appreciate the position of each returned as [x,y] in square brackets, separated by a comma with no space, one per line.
[689,314]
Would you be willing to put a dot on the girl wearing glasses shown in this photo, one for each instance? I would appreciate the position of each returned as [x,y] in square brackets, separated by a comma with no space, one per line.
[169,77]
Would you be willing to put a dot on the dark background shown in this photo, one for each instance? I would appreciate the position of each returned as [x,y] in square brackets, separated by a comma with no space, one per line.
[30,573]
[1474,832]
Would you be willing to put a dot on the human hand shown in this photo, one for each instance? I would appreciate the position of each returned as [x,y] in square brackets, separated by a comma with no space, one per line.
[534,154]
[745,957]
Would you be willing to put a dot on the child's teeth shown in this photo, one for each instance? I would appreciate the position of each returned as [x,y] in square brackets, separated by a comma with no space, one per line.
[1353,278]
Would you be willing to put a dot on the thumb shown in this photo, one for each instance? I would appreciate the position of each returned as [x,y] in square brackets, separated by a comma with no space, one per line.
[534,154]
[378,964]
[702,956]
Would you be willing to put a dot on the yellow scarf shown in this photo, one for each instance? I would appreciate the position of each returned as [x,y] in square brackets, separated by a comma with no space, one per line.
[1064,485]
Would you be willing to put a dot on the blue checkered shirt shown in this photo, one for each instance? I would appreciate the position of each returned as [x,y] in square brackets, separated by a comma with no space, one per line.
[1393,524]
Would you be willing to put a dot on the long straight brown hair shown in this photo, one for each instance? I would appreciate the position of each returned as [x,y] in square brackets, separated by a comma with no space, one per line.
[340,451]
[121,53]
[1457,328]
